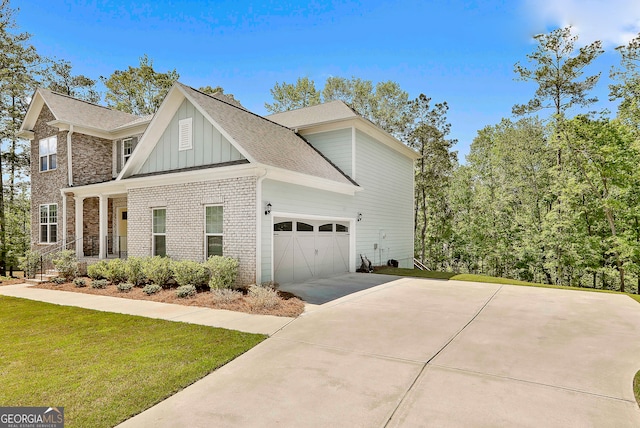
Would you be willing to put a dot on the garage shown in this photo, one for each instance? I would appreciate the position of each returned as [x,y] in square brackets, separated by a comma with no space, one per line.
[304,249]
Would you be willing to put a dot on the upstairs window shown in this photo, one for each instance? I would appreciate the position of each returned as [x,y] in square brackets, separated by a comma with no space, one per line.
[127,149]
[48,149]
[213,230]
[48,224]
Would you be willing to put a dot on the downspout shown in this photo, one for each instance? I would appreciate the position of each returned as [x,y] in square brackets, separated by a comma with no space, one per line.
[259,214]
[64,218]
[69,160]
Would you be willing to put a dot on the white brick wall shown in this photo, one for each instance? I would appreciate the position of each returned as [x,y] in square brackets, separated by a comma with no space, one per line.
[185,205]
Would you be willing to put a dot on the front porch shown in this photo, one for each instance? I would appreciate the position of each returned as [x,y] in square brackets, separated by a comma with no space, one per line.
[95,226]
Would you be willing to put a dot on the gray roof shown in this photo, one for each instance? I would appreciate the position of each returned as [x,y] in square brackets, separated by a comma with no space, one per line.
[314,115]
[83,113]
[267,142]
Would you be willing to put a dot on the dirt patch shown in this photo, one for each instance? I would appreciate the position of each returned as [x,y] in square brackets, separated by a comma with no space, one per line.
[11,281]
[288,306]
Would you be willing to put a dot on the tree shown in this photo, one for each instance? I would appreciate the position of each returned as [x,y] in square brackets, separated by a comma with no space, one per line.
[627,86]
[138,90]
[288,96]
[19,64]
[557,70]
[59,79]
[219,90]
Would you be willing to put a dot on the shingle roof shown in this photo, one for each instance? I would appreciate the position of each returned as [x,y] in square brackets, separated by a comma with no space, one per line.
[265,141]
[78,112]
[313,115]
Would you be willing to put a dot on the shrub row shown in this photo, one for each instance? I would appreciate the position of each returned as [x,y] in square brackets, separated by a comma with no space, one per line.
[216,272]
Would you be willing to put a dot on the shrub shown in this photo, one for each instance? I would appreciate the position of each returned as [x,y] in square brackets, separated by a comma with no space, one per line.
[150,289]
[115,271]
[263,297]
[124,287]
[185,291]
[66,263]
[188,272]
[158,270]
[98,270]
[58,280]
[224,271]
[80,282]
[30,263]
[98,283]
[133,270]
[225,295]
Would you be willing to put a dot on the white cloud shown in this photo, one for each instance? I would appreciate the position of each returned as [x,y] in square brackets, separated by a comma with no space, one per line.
[614,22]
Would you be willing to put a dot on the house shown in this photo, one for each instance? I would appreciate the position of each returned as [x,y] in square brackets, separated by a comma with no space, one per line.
[292,196]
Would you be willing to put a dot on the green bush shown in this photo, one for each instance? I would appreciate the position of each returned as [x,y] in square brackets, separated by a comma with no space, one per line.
[188,272]
[66,263]
[30,263]
[124,287]
[185,291]
[98,270]
[224,271]
[134,272]
[116,272]
[80,282]
[158,270]
[150,289]
[99,283]
[58,280]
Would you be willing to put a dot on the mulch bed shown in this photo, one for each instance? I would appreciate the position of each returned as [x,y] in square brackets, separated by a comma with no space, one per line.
[289,305]
[12,281]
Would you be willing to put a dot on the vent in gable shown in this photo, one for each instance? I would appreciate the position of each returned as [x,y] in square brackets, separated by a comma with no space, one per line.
[186,136]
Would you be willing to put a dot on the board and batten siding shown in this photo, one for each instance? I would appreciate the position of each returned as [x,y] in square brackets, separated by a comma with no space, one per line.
[335,146]
[210,147]
[386,204]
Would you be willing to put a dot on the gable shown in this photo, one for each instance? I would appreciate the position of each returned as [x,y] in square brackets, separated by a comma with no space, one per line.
[208,145]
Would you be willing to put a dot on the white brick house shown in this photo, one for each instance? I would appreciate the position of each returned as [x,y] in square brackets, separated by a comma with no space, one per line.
[292,196]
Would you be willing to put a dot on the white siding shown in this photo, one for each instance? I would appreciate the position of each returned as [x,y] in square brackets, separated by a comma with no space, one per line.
[209,146]
[386,204]
[335,146]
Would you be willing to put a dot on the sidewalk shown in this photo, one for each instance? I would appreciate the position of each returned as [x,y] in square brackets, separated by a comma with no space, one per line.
[249,323]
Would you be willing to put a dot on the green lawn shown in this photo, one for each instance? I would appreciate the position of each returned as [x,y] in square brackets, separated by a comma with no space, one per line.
[636,387]
[417,273]
[103,367]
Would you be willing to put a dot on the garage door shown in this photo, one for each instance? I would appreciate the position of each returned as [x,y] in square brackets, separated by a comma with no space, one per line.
[305,249]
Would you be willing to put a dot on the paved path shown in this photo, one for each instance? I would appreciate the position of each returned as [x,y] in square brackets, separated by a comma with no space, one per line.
[263,324]
[426,353]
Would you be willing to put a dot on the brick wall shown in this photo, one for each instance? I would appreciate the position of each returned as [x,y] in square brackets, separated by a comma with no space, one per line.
[91,159]
[45,186]
[185,205]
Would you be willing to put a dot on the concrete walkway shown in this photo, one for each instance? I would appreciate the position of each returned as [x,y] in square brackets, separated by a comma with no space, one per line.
[262,324]
[427,353]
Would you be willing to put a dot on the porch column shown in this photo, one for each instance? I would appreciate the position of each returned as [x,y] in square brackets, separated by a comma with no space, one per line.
[103,225]
[79,202]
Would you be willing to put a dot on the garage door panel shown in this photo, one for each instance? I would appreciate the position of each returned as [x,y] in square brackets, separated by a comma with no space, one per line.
[309,249]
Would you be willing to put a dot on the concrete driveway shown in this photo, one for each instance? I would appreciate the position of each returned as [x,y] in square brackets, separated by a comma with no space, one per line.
[418,352]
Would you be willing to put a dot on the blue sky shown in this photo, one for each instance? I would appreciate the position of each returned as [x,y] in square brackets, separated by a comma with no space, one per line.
[457,51]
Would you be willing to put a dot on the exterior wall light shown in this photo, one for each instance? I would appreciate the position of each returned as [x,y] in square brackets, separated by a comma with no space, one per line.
[359,217]
[268,210]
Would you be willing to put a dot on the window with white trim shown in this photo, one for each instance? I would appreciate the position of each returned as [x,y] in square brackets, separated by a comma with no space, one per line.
[213,230]
[185,137]
[159,232]
[127,149]
[48,148]
[48,223]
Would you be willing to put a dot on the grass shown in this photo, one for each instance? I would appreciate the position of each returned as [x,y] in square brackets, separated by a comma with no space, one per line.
[488,279]
[103,367]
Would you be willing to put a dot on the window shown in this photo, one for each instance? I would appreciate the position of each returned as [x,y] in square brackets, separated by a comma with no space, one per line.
[326,227]
[159,232]
[341,228]
[185,141]
[48,150]
[303,227]
[49,223]
[213,230]
[127,149]
[285,226]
